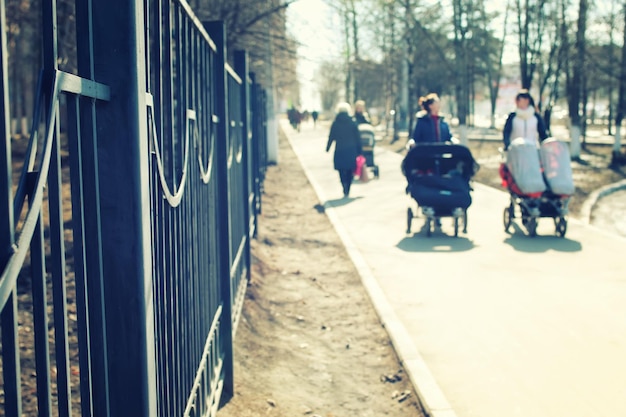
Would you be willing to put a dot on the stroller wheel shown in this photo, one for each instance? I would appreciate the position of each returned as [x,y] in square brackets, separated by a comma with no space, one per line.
[409,220]
[507,219]
[429,223]
[561,226]
[465,221]
[531,226]
[376,172]
[456,227]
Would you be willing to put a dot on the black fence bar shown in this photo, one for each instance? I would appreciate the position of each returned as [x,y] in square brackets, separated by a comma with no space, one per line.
[6,203]
[11,378]
[248,219]
[217,32]
[238,191]
[258,121]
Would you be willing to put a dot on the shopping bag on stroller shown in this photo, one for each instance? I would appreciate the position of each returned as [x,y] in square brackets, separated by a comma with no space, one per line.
[557,168]
[361,169]
[522,161]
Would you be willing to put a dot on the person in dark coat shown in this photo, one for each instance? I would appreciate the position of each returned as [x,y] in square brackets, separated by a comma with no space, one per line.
[345,133]
[430,126]
[315,114]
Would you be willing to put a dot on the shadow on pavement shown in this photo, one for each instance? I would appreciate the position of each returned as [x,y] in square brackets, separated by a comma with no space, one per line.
[338,202]
[438,242]
[541,243]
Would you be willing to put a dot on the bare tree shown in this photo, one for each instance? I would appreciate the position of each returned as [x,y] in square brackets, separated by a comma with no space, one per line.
[576,84]
[490,53]
[330,80]
[462,15]
[370,87]
[551,61]
[610,53]
[621,106]
[352,16]
[384,24]
[259,27]
[530,24]
[431,58]
[602,73]
[22,49]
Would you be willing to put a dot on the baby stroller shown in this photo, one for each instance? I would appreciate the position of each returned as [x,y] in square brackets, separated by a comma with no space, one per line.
[438,178]
[540,184]
[368,142]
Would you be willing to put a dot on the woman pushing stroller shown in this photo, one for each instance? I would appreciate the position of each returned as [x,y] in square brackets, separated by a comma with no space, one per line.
[535,169]
[438,171]
[525,122]
[523,132]
[430,126]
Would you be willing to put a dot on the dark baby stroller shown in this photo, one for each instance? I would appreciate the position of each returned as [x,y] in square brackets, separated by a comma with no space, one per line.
[438,178]
[368,143]
[539,182]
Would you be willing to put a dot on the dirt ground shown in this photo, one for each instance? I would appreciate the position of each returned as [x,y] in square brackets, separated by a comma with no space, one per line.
[309,342]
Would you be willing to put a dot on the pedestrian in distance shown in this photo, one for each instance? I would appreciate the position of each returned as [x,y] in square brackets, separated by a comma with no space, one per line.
[314,115]
[295,117]
[360,114]
[345,134]
[525,122]
[430,126]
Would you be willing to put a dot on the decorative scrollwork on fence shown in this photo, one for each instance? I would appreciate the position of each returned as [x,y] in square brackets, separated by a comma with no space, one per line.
[174,197]
[205,174]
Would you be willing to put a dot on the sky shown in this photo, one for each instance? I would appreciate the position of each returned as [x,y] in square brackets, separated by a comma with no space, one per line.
[310,21]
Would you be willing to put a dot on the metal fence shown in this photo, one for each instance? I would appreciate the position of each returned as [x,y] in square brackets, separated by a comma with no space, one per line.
[125,244]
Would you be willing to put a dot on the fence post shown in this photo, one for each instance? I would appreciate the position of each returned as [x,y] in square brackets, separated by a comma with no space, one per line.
[217,31]
[6,200]
[123,156]
[8,315]
[259,143]
[241,67]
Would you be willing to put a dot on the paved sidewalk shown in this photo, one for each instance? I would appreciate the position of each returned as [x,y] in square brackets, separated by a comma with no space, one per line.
[487,324]
[609,212]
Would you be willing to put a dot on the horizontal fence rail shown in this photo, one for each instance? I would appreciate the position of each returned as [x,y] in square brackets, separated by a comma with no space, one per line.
[125,238]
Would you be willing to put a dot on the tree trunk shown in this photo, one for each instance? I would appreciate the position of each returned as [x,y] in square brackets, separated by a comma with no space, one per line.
[355,43]
[530,17]
[617,145]
[346,22]
[621,101]
[461,68]
[494,79]
[577,82]
[574,133]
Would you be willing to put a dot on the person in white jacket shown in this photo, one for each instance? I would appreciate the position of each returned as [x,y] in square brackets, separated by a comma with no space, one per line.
[525,122]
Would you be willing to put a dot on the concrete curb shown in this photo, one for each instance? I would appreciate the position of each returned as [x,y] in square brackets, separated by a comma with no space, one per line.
[587,207]
[430,395]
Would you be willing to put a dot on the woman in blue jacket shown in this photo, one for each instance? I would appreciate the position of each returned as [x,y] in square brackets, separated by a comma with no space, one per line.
[430,126]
